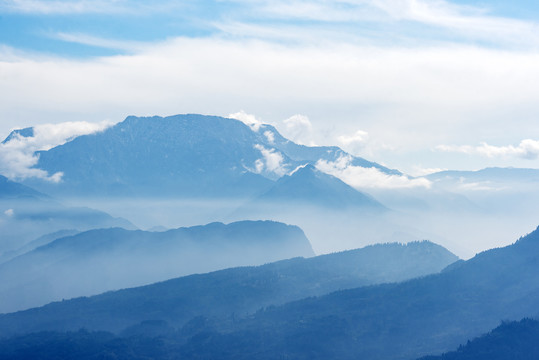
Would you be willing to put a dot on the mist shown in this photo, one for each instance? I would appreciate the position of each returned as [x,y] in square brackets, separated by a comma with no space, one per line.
[96,261]
[466,223]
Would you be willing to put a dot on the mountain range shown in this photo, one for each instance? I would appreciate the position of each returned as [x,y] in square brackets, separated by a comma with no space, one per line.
[427,315]
[183,155]
[380,302]
[107,259]
[393,321]
[236,292]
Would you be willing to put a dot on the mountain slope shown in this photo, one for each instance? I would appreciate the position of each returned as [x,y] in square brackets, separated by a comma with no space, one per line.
[183,155]
[309,186]
[107,259]
[511,340]
[42,240]
[13,190]
[394,321]
[238,291]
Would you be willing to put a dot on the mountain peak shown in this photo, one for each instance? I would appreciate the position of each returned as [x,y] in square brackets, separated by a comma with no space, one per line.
[310,186]
[181,155]
[26,132]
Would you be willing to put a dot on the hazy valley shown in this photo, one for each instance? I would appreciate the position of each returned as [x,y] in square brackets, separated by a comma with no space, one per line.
[203,237]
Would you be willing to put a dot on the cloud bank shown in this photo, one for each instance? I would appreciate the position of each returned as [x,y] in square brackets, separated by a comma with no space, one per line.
[411,73]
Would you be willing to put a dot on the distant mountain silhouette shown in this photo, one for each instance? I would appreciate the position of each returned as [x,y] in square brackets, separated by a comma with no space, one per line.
[42,240]
[494,174]
[183,155]
[99,260]
[233,292]
[13,190]
[26,214]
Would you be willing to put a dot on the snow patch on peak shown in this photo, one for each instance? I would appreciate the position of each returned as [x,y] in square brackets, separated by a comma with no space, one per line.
[297,169]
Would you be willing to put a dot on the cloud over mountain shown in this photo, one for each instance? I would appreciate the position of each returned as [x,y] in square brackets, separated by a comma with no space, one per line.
[17,152]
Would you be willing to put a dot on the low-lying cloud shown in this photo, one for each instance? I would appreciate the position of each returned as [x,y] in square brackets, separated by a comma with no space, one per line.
[18,158]
[364,178]
[527,149]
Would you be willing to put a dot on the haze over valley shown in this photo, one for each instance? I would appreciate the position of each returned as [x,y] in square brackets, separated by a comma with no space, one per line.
[306,179]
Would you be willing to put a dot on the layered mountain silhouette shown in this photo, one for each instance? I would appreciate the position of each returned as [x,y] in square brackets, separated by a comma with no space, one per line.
[182,155]
[40,241]
[232,293]
[415,318]
[394,321]
[99,260]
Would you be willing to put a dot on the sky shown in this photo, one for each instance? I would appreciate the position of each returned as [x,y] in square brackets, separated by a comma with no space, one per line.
[417,85]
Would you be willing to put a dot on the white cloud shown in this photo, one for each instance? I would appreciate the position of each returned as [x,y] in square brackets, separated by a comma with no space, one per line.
[466,21]
[527,149]
[299,129]
[85,39]
[18,158]
[248,119]
[270,136]
[422,171]
[359,137]
[355,142]
[272,161]
[364,178]
[9,212]
[62,7]
[478,186]
[409,98]
[69,7]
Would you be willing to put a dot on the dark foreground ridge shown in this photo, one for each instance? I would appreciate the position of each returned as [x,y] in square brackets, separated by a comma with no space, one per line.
[515,340]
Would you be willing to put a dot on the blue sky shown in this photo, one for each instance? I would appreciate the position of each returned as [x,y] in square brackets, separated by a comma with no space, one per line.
[414,84]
